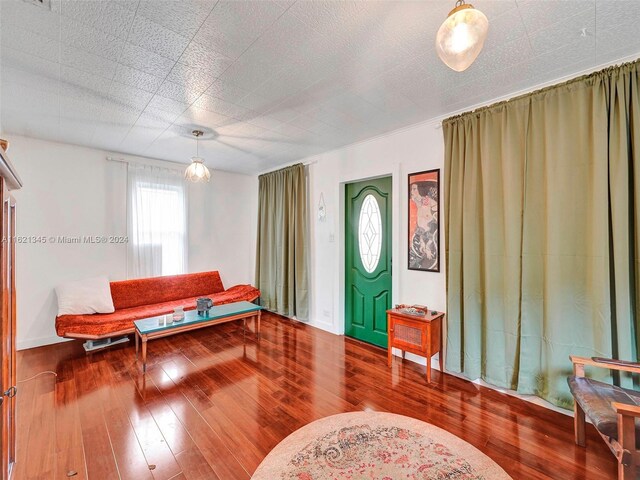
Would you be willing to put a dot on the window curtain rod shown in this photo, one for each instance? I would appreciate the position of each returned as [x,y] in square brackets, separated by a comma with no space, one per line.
[304,164]
[604,72]
[154,163]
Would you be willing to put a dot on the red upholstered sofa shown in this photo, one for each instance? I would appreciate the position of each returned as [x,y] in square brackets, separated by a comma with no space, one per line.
[148,297]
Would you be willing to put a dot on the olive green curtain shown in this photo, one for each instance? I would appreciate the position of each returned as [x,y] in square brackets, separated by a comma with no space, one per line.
[282,246]
[542,218]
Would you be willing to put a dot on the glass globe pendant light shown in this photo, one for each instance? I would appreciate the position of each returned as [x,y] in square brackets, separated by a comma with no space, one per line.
[461,37]
[197,171]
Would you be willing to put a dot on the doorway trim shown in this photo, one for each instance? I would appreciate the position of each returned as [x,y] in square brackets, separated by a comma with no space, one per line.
[394,173]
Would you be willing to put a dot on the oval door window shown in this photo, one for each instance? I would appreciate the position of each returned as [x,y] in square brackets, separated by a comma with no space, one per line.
[370,233]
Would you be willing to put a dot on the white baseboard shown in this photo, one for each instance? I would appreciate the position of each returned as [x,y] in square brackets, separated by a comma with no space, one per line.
[39,342]
[327,327]
[435,364]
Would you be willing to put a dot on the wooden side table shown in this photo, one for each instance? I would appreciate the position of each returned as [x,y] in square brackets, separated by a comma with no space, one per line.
[418,334]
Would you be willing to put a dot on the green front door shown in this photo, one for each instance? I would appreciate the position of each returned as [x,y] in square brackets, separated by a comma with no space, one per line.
[368,260]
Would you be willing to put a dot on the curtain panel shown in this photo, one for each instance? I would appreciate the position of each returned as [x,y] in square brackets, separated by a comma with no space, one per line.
[542,232]
[282,246]
[156,221]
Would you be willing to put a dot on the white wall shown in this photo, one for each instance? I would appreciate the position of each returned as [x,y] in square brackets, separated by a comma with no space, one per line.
[398,154]
[223,217]
[73,191]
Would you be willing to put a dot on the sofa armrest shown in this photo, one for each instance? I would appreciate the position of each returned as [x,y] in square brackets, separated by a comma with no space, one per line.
[612,364]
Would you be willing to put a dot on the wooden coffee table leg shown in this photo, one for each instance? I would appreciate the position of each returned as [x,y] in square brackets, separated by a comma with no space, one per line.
[144,353]
[135,334]
[258,324]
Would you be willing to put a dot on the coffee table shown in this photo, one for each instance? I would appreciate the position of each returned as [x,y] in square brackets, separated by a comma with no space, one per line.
[164,326]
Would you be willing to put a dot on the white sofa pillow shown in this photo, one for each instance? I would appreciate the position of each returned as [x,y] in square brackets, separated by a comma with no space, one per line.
[85,296]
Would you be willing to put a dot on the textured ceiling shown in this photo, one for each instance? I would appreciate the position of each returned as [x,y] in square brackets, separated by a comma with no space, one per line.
[275,81]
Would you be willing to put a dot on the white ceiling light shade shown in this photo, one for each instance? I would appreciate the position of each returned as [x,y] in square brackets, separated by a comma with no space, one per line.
[197,171]
[461,36]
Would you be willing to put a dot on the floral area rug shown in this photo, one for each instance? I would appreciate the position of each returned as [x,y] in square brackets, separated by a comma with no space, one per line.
[375,446]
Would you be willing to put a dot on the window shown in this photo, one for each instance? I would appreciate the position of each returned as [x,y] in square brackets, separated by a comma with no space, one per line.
[157,222]
[370,233]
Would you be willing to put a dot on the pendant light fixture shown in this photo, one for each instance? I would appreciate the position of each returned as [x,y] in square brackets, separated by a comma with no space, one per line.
[197,171]
[461,37]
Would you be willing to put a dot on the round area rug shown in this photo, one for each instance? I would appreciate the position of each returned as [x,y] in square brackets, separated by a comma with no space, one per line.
[375,445]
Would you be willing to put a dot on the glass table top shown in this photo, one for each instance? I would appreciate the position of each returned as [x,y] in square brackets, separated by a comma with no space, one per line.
[165,322]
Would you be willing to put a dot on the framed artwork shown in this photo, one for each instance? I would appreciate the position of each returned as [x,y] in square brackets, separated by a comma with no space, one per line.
[424,221]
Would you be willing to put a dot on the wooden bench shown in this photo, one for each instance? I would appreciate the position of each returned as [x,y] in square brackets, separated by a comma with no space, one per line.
[613,411]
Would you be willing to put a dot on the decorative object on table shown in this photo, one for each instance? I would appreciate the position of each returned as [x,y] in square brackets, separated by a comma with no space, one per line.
[376,445]
[178,314]
[424,221]
[322,209]
[203,305]
[419,333]
[461,36]
[4,144]
[420,310]
[197,171]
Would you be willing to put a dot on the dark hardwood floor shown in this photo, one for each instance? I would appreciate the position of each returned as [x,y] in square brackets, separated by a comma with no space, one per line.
[211,407]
